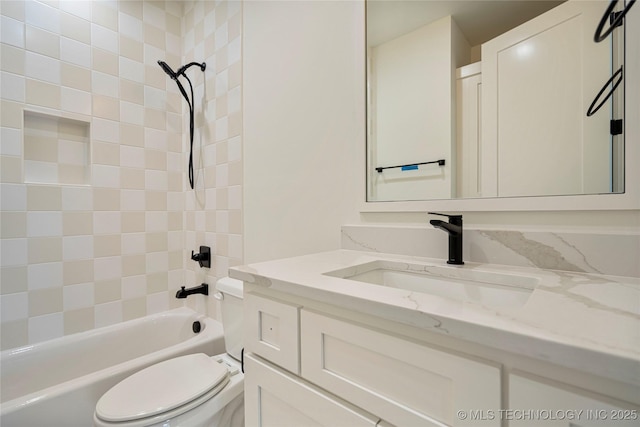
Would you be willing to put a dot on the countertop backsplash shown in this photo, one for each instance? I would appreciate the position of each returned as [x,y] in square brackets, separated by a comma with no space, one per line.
[609,253]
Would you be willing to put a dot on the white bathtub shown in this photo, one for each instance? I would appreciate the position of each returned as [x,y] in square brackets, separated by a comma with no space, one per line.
[59,382]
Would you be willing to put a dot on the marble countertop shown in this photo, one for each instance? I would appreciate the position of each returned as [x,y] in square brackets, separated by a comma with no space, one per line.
[588,322]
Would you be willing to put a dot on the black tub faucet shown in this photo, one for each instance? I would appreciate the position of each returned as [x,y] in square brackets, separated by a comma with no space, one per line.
[202,289]
[454,229]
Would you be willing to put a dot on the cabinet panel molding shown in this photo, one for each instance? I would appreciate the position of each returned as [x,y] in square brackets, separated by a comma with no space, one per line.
[274,398]
[404,382]
[272,330]
[533,402]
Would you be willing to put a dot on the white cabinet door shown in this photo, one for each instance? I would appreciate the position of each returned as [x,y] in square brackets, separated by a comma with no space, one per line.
[534,403]
[274,398]
[272,330]
[537,83]
[403,382]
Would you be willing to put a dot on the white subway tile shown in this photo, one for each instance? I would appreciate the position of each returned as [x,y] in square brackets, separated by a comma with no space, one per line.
[106,176]
[13,197]
[12,87]
[158,302]
[44,224]
[104,38]
[45,275]
[131,70]
[40,172]
[151,14]
[42,67]
[131,113]
[11,142]
[222,36]
[42,16]
[105,84]
[75,52]
[14,306]
[76,101]
[13,251]
[155,98]
[12,32]
[77,8]
[130,27]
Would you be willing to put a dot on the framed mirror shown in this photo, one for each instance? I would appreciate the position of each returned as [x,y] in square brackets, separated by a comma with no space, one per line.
[488,100]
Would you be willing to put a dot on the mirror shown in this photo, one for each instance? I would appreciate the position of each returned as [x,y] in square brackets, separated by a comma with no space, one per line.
[486,99]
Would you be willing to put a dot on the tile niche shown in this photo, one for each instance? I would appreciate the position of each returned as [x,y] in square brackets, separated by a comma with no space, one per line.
[56,150]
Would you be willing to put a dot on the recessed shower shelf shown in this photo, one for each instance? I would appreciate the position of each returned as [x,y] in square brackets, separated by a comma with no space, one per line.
[56,150]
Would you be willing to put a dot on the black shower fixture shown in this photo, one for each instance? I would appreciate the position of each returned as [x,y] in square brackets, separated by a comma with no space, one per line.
[174,75]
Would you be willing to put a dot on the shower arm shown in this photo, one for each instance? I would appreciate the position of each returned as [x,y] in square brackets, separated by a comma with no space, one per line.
[184,68]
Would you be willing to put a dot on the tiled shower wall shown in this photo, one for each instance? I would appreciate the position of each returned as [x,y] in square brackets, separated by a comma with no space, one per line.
[77,257]
[213,210]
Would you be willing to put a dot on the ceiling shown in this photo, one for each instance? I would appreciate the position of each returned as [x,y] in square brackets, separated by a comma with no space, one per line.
[479,20]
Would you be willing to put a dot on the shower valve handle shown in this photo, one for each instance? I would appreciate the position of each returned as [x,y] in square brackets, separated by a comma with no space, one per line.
[204,257]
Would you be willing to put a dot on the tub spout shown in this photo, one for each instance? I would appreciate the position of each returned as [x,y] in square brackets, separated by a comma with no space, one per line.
[202,289]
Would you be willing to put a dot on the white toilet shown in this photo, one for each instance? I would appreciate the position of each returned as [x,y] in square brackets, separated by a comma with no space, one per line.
[188,391]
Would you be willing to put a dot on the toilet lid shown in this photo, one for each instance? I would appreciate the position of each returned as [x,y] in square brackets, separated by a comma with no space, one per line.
[161,388]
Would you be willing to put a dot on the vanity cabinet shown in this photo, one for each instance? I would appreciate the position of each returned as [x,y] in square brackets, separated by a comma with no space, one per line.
[398,380]
[275,398]
[535,401]
[272,330]
[406,382]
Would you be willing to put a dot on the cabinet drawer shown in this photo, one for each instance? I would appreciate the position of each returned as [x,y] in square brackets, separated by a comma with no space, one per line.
[403,382]
[274,398]
[272,330]
[534,402]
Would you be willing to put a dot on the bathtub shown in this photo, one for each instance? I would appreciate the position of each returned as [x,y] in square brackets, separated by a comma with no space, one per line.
[58,382]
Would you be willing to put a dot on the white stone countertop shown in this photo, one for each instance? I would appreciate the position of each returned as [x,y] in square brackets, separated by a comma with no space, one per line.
[588,322]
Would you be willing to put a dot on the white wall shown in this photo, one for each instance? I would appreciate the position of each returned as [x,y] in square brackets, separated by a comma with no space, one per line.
[411,119]
[303,101]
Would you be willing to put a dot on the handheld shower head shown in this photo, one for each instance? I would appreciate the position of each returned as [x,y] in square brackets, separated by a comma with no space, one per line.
[168,70]
[174,75]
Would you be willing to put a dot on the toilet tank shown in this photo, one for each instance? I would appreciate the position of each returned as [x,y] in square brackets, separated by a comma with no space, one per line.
[232,314]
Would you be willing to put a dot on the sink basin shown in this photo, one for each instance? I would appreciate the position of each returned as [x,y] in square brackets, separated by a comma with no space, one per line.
[491,289]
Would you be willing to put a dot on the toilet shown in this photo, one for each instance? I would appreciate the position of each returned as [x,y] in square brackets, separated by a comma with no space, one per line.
[188,391]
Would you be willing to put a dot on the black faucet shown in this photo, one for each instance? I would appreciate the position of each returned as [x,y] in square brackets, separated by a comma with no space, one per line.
[202,289]
[454,229]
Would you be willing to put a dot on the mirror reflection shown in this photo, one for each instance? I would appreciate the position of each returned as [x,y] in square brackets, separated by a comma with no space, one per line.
[472,99]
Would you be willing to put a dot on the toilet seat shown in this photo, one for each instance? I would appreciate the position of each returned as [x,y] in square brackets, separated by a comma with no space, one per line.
[173,386]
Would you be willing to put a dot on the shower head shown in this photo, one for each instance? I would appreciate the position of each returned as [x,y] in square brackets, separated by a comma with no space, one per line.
[174,75]
[168,70]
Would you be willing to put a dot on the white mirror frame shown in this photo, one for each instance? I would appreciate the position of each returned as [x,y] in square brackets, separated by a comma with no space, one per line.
[628,200]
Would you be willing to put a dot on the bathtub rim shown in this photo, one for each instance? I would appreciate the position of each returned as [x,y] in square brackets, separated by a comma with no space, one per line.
[211,332]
